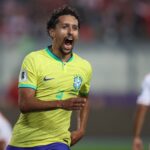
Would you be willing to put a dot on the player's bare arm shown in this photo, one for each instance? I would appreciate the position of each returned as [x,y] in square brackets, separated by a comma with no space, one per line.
[29,103]
[139,120]
[81,124]
[2,144]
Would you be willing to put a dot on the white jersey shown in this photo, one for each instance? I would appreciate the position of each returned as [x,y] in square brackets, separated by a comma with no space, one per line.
[5,129]
[144,97]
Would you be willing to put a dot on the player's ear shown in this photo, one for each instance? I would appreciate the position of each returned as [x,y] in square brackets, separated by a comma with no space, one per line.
[52,33]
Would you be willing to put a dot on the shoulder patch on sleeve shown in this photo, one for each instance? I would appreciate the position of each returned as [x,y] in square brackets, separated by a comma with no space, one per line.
[23,76]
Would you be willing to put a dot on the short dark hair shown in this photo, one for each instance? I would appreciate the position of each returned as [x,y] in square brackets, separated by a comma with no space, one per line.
[65,10]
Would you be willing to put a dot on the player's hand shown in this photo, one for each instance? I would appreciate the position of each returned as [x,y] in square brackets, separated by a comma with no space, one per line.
[73,103]
[137,144]
[76,136]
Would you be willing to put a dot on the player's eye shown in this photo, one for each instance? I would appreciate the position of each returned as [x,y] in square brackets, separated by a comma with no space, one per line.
[75,27]
[65,26]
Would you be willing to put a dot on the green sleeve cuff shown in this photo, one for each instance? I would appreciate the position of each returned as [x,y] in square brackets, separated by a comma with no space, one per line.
[27,86]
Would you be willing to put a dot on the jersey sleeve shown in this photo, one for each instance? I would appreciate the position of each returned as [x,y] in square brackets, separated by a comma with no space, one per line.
[28,74]
[84,91]
[144,97]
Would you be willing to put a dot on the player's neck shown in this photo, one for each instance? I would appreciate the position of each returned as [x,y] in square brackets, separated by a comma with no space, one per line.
[63,57]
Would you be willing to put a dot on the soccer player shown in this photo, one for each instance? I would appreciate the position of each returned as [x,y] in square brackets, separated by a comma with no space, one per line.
[53,82]
[143,103]
[5,131]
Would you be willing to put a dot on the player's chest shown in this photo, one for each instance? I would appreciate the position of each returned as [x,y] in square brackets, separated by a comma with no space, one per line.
[61,76]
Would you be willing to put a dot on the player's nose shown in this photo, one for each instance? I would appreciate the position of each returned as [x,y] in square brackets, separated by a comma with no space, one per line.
[70,31]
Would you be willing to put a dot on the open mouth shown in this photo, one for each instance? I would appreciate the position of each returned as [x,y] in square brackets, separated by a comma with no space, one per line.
[68,43]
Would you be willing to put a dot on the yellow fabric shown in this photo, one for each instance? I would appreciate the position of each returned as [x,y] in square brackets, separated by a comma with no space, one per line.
[53,80]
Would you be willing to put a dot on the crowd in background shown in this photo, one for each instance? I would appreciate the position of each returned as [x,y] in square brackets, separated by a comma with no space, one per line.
[23,27]
[102,20]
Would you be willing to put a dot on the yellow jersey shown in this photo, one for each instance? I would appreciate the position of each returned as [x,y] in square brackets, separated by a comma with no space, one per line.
[53,80]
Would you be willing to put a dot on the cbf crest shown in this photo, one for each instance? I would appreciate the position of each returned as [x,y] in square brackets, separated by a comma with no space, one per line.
[77,82]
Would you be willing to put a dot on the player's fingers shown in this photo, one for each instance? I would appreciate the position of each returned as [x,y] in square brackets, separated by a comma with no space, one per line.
[79,100]
[79,104]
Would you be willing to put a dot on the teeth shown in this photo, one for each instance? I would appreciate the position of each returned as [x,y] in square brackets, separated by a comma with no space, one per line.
[69,38]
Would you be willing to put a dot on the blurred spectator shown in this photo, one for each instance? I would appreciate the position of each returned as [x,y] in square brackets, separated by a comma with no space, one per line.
[15,37]
[101,18]
[143,103]
[5,132]
[12,93]
[86,33]
[143,11]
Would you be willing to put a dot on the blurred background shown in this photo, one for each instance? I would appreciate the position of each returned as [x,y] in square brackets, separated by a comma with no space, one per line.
[114,37]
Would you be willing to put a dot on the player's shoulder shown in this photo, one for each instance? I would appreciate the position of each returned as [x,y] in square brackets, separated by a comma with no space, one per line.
[34,55]
[82,60]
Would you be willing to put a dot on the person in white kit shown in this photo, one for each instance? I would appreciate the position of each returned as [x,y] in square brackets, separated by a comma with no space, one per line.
[5,132]
[143,103]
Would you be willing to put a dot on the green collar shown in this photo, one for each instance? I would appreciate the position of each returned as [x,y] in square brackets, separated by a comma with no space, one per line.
[56,57]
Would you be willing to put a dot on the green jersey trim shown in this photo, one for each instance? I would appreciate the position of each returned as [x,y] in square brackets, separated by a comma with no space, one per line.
[27,86]
[56,57]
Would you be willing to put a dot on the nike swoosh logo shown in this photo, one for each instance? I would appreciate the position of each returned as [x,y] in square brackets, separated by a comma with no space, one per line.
[47,78]
[65,140]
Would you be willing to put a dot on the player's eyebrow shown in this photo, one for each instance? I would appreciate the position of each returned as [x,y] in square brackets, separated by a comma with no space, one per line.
[66,23]
[72,25]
